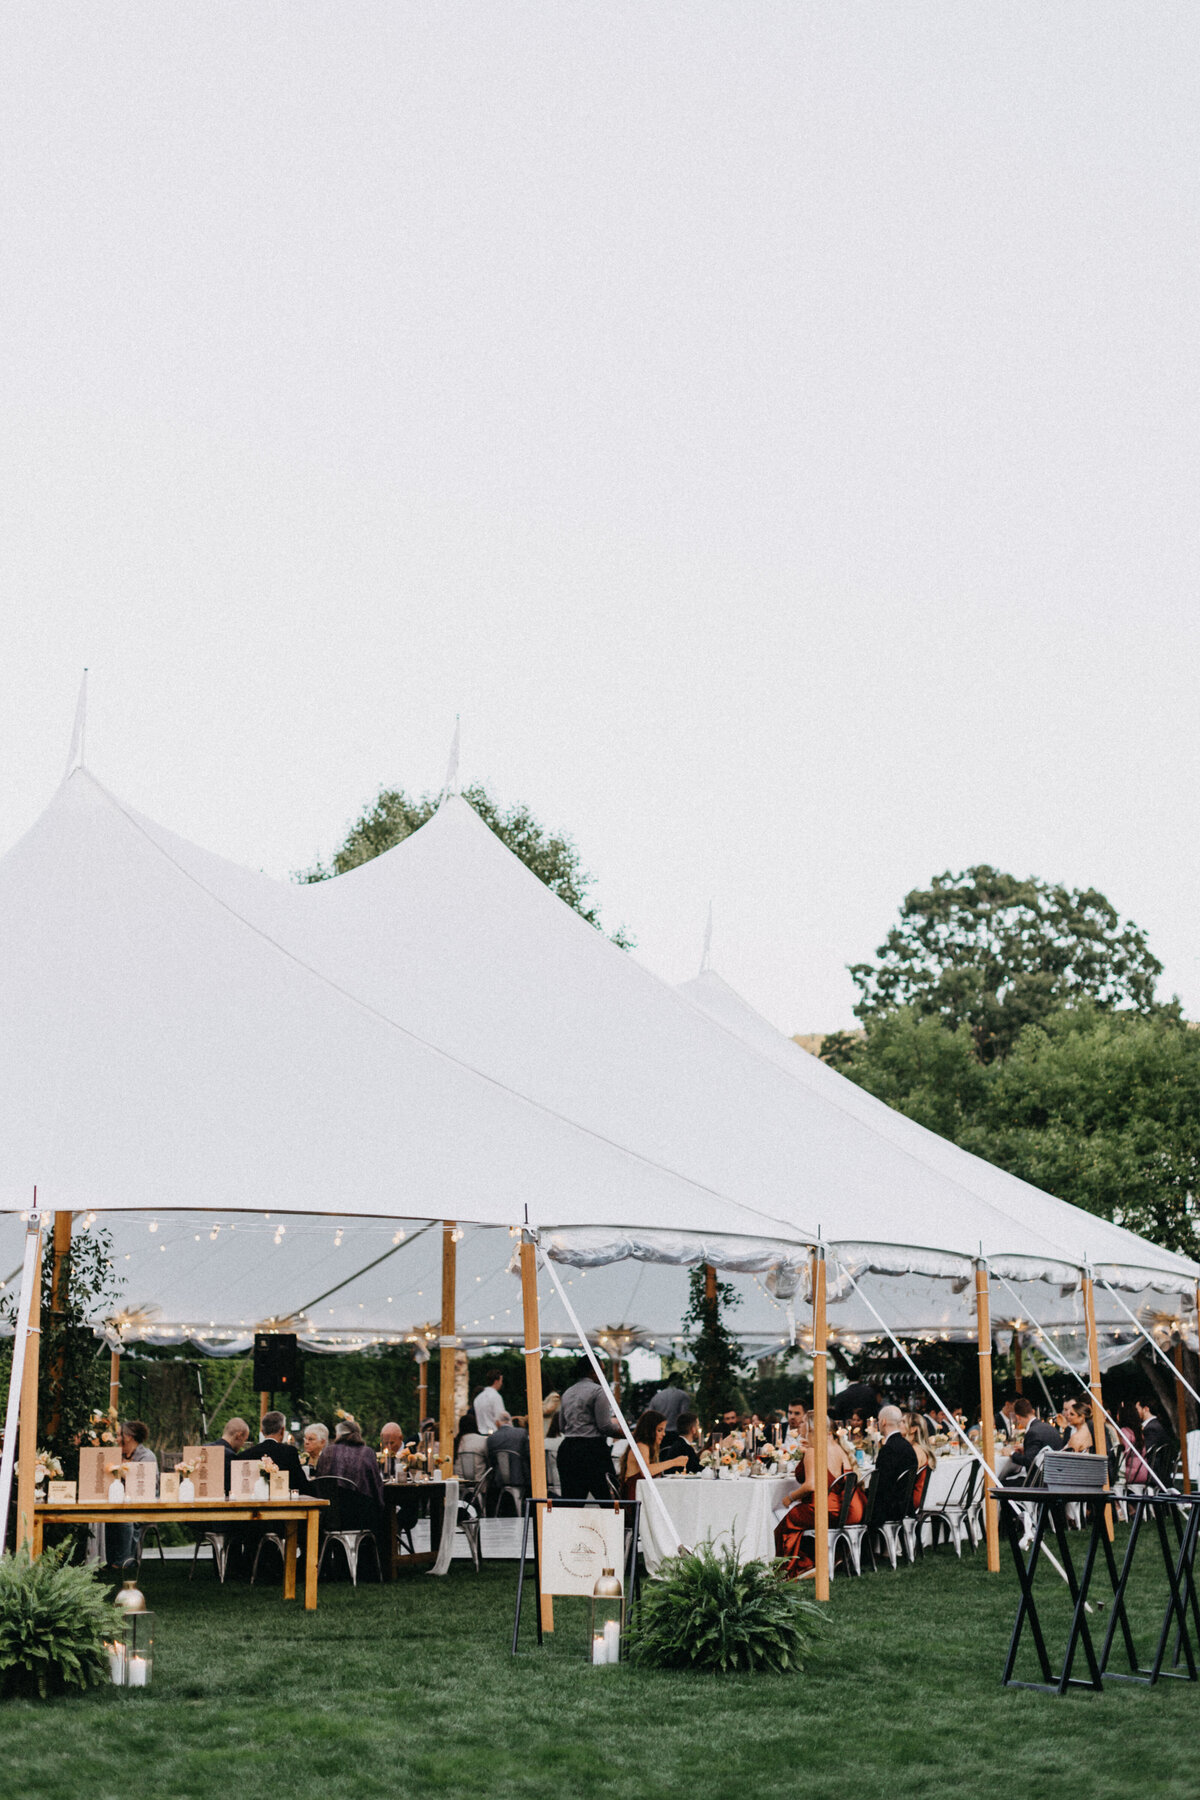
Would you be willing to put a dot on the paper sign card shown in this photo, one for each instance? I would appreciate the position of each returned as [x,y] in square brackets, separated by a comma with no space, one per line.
[280,1485]
[93,1472]
[242,1477]
[61,1493]
[578,1544]
[141,1481]
[208,1460]
[168,1486]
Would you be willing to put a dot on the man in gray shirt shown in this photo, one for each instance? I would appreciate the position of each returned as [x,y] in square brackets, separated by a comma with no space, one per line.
[584,1462]
[670,1401]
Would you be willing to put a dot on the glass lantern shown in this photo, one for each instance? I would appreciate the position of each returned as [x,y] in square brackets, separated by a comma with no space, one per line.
[131,1651]
[607,1619]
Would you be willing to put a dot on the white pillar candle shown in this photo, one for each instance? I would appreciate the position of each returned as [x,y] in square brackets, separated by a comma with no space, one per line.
[116,1664]
[599,1649]
[612,1641]
[138,1671]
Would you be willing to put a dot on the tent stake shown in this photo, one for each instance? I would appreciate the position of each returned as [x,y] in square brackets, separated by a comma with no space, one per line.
[987,1408]
[820,1429]
[446,1352]
[533,1403]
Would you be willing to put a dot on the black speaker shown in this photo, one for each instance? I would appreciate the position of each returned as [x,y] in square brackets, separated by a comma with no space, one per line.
[275,1362]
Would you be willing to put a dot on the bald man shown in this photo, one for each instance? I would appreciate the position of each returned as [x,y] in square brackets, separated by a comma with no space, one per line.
[391,1439]
[896,1457]
[235,1437]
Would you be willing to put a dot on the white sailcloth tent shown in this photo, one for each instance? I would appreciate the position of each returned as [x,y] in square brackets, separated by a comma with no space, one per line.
[434,1035]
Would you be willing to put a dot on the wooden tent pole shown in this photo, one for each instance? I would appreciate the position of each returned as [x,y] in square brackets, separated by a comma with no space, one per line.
[1018,1369]
[1099,1434]
[27,1430]
[820,1430]
[58,1295]
[987,1409]
[422,1392]
[446,1348]
[1181,1410]
[533,1401]
[114,1382]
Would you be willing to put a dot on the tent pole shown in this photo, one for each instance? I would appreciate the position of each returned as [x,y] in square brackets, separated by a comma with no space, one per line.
[987,1408]
[422,1392]
[27,1433]
[533,1402]
[820,1429]
[58,1295]
[114,1382]
[446,1352]
[1181,1410]
[1018,1370]
[1099,1435]
[17,1372]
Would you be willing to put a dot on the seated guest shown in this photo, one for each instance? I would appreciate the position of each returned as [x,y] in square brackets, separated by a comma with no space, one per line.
[896,1457]
[272,1448]
[1082,1439]
[316,1436]
[391,1439]
[801,1516]
[730,1425]
[349,1459]
[917,1433]
[685,1441]
[235,1437]
[796,1435]
[857,1398]
[511,1442]
[648,1435]
[488,1406]
[1154,1433]
[1006,1421]
[119,1539]
[1038,1437]
[470,1444]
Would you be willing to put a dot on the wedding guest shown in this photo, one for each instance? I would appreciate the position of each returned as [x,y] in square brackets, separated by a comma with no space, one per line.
[489,1407]
[670,1401]
[316,1436]
[584,1462]
[1077,1415]
[1006,1420]
[1039,1436]
[119,1539]
[1129,1429]
[896,1457]
[648,1435]
[469,1446]
[349,1459]
[801,1514]
[796,1435]
[857,1398]
[552,1415]
[916,1431]
[684,1441]
[273,1449]
[391,1439]
[1154,1433]
[235,1437]
[511,1441]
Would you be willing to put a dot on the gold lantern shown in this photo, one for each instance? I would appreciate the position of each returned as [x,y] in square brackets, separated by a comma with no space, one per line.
[131,1650]
[607,1619]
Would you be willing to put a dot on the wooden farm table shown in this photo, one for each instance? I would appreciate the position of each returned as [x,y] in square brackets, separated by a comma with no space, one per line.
[289,1513]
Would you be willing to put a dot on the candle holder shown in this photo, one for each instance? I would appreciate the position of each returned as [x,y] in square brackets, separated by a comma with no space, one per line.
[131,1650]
[607,1619]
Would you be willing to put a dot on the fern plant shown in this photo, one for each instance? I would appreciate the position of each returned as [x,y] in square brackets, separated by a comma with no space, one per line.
[706,1610]
[54,1617]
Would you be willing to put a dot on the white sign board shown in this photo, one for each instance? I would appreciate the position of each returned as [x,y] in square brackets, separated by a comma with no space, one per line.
[578,1544]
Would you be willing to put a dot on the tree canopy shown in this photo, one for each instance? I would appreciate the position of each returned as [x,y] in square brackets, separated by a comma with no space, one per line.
[393,815]
[997,952]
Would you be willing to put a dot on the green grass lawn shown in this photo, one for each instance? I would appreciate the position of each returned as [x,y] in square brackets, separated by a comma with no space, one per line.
[410,1690]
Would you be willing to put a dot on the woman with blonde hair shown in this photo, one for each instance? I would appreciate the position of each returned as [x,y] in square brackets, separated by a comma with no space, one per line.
[917,1433]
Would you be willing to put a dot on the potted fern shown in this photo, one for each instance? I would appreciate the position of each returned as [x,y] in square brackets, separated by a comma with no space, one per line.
[54,1620]
[706,1610]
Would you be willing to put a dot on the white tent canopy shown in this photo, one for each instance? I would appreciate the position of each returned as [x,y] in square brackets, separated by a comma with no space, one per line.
[436,1034]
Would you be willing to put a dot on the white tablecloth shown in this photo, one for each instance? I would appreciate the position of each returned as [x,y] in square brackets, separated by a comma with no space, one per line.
[740,1509]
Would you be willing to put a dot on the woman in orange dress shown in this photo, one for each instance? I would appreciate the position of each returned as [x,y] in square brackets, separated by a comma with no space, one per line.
[801,1515]
[647,1435]
[917,1433]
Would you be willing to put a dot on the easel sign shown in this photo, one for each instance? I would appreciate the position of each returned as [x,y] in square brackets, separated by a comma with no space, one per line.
[579,1540]
[578,1544]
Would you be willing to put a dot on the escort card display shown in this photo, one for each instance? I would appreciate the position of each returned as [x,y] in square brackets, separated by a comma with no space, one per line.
[168,1485]
[141,1481]
[242,1477]
[93,1472]
[208,1460]
[577,1546]
[61,1493]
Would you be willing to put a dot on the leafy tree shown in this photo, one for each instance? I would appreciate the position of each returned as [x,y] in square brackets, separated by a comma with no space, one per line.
[1101,1108]
[714,1354]
[996,953]
[392,816]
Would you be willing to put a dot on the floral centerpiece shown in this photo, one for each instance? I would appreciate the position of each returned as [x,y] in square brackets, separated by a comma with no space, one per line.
[46,1468]
[769,1454]
[101,1428]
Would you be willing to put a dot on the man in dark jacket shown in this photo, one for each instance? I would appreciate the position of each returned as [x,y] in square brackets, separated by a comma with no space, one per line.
[895,1460]
[857,1398]
[683,1442]
[272,1446]
[1038,1436]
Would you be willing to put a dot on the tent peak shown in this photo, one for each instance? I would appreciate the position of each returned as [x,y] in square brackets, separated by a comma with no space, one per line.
[450,787]
[75,758]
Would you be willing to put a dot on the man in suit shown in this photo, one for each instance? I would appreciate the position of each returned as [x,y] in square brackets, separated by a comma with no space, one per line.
[272,1446]
[1038,1436]
[895,1459]
[857,1398]
[1154,1432]
[685,1441]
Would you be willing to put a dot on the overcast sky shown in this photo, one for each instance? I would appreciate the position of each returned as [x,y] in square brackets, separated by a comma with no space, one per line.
[772,427]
